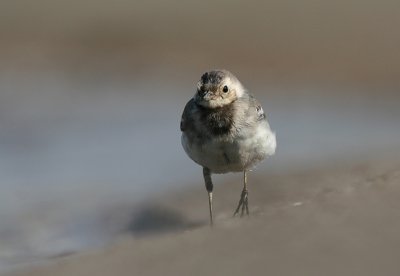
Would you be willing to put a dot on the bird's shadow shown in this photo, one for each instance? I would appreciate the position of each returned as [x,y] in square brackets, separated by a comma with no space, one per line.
[151,220]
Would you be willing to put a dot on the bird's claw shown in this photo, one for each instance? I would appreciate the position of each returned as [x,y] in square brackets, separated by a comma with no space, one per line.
[243,204]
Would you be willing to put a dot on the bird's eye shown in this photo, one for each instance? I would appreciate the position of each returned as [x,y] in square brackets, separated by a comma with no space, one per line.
[200,89]
[225,89]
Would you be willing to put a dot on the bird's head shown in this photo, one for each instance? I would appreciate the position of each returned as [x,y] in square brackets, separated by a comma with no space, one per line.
[218,88]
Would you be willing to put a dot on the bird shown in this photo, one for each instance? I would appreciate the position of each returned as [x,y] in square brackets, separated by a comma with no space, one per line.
[224,129]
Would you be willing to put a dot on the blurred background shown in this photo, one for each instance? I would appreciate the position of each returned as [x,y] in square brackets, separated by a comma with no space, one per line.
[91,94]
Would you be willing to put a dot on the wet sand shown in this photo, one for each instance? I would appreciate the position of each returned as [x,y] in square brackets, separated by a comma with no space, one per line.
[340,219]
[83,86]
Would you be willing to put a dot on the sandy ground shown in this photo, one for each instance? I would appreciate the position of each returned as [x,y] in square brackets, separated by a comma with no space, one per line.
[336,220]
[79,84]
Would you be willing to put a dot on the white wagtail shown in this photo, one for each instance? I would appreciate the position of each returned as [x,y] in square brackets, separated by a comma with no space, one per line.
[224,129]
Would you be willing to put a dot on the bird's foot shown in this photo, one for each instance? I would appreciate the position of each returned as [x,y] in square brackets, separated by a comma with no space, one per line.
[243,204]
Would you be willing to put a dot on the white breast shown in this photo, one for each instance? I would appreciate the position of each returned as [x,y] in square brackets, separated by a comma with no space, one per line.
[232,154]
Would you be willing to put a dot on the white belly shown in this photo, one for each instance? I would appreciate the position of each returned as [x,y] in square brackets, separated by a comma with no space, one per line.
[232,154]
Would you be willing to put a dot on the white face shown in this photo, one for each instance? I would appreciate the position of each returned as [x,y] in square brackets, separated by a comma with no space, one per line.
[217,89]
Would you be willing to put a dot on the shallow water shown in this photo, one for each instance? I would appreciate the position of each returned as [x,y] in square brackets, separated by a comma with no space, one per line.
[76,155]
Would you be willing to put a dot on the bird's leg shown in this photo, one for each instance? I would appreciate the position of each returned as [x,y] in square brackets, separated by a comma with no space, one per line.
[209,187]
[244,198]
